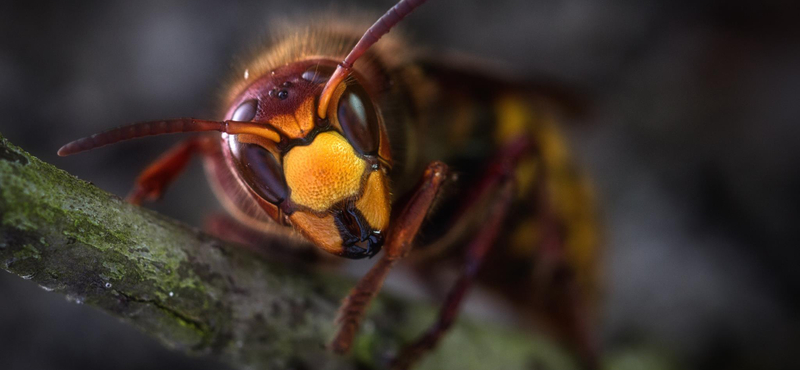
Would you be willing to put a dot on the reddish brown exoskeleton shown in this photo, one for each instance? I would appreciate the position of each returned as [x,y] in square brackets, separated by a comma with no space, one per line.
[349,151]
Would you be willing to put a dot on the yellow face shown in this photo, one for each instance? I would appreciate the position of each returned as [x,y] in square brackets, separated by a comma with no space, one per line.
[327,177]
[324,172]
[339,194]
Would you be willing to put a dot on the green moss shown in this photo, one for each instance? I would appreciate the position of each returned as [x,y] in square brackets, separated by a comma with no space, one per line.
[39,195]
[27,251]
[114,271]
[137,253]
[201,296]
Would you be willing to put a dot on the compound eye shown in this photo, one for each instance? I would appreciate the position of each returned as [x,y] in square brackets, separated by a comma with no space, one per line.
[245,112]
[261,171]
[318,74]
[358,119]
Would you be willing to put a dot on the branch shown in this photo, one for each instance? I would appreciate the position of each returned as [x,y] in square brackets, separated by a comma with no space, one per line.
[203,296]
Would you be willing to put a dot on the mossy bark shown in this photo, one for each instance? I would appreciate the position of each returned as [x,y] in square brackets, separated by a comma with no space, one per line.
[203,296]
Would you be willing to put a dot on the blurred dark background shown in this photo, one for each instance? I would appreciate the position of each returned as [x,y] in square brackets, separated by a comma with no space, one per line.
[693,147]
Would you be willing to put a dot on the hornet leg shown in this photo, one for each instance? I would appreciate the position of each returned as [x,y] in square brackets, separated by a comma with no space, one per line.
[399,242]
[152,182]
[498,184]
[474,258]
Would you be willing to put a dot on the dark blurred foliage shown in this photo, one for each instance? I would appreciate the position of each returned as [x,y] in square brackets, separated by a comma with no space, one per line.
[692,143]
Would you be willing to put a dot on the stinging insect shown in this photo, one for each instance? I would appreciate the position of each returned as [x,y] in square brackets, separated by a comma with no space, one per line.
[350,143]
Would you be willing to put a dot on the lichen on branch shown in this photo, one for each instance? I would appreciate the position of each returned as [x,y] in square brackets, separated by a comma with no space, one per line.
[200,295]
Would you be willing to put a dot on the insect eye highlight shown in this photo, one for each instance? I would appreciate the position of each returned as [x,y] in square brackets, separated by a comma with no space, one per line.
[358,119]
[261,171]
[318,74]
[245,112]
